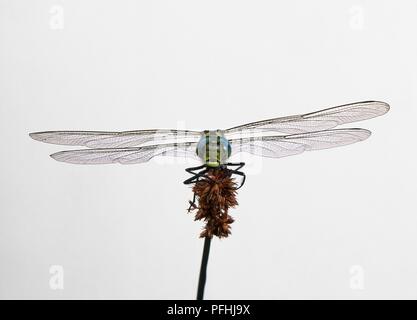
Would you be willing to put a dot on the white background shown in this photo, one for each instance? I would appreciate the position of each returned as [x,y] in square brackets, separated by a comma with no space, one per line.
[337,223]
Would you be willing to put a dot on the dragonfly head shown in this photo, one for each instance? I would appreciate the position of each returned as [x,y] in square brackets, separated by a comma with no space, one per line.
[213,148]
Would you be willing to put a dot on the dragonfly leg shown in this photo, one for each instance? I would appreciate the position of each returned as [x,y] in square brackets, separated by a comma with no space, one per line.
[196,175]
[194,179]
[242,174]
[237,171]
[192,203]
[239,165]
[192,169]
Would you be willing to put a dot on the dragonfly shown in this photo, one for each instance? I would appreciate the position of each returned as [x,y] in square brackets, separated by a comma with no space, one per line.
[272,138]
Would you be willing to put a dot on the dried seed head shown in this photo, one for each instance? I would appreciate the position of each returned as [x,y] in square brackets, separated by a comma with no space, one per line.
[216,193]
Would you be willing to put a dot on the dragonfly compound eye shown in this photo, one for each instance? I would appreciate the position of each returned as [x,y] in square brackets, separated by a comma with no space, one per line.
[213,148]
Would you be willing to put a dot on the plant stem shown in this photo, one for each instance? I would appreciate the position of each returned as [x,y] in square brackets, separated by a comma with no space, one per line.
[203,269]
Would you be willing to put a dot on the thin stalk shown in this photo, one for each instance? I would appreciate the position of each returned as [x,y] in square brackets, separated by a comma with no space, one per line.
[203,269]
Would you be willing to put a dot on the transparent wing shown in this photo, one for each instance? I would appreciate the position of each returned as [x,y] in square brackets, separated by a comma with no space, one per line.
[282,146]
[126,155]
[316,121]
[124,139]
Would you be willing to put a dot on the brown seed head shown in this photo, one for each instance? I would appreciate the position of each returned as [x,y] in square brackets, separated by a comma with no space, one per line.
[216,193]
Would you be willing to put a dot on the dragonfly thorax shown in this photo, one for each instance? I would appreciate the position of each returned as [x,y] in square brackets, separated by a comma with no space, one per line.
[213,148]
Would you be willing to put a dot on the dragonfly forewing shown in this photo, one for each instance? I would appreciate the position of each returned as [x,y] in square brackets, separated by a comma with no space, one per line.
[316,121]
[123,139]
